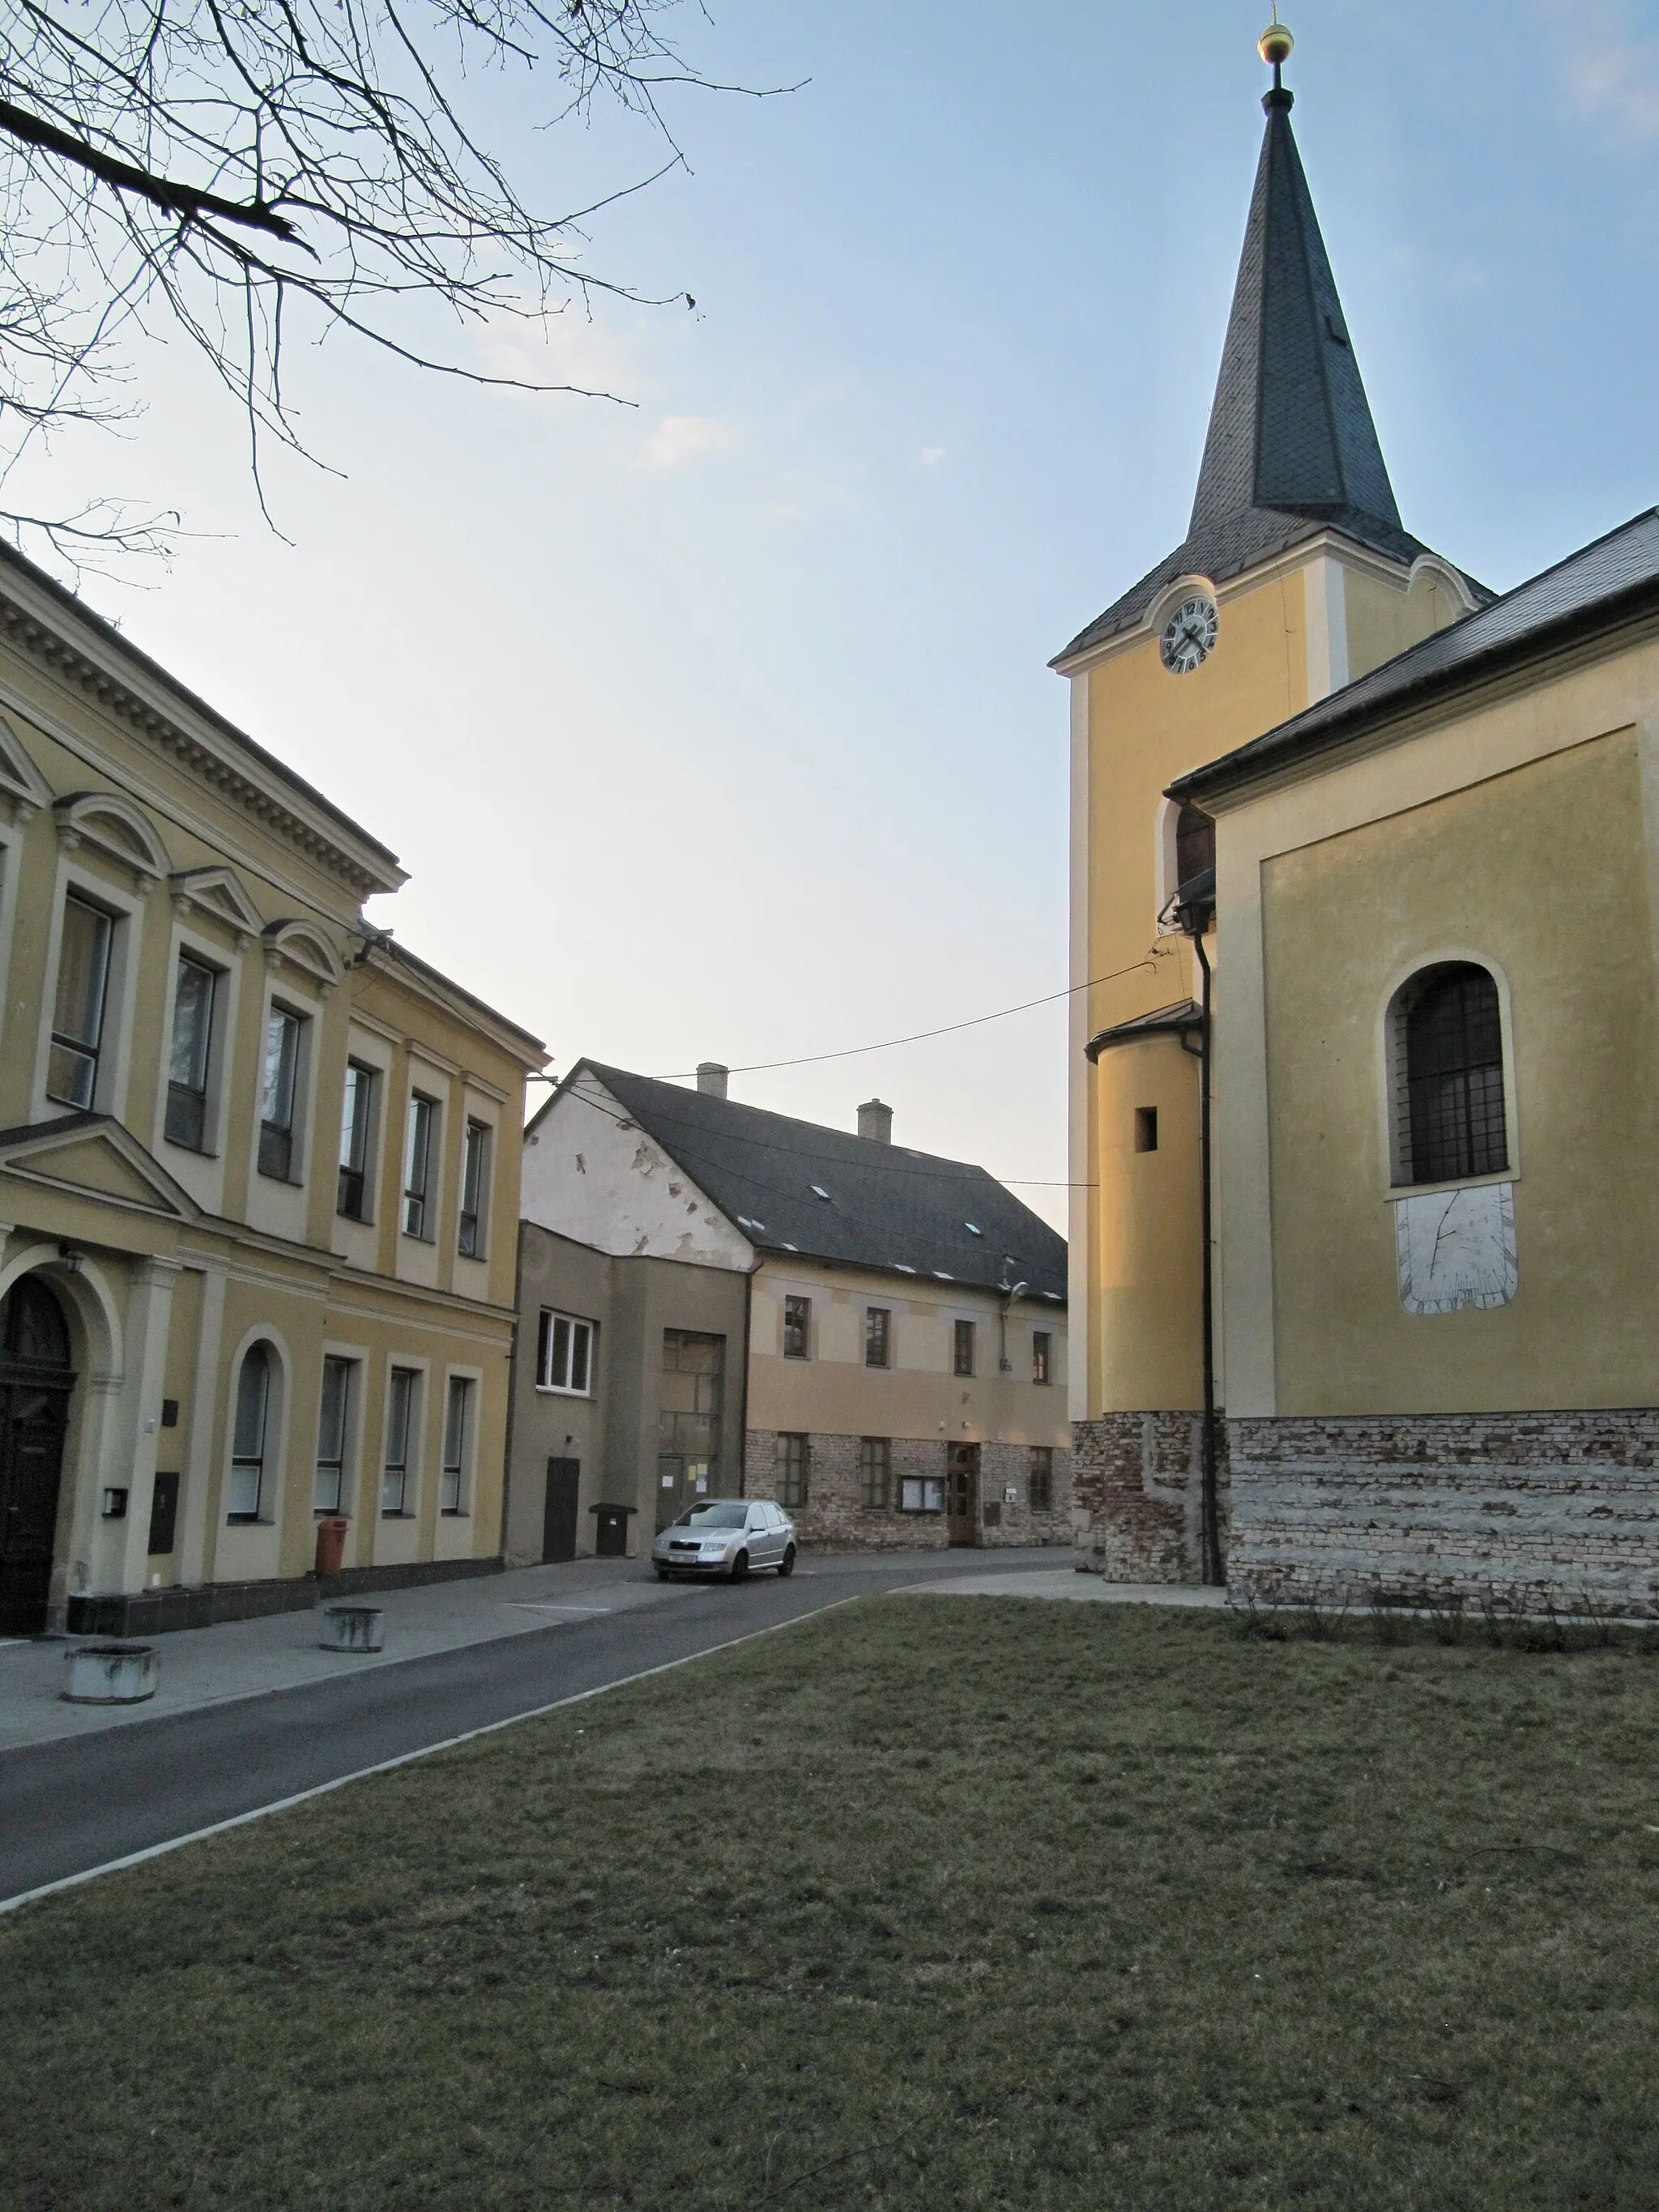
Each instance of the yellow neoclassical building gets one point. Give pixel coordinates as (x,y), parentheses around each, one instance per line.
(258,1170)
(1297,576)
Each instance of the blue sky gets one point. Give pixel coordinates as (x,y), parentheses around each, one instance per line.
(719,725)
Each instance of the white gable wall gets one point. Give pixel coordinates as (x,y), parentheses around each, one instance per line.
(592,1175)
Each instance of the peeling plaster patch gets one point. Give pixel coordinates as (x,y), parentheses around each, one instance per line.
(643,1162)
(581,1164)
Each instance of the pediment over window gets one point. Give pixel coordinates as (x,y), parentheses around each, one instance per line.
(217,893)
(20,782)
(307,948)
(96,1157)
(114,826)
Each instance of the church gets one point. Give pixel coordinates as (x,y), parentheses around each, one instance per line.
(1364,953)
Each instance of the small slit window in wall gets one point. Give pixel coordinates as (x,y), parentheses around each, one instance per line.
(1040,1477)
(798,1328)
(564,1355)
(1146,1129)
(1043,1355)
(877,1337)
(1450,1123)
(962,1348)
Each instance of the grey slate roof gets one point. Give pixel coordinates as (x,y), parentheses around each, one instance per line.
(1292,449)
(1591,592)
(888,1208)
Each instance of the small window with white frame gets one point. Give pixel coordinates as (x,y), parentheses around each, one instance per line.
(329,1492)
(402,1429)
(195,993)
(475,1190)
(564,1355)
(280,1094)
(85,946)
(457,1443)
(420,1150)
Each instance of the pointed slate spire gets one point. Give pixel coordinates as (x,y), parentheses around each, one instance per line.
(1290,429)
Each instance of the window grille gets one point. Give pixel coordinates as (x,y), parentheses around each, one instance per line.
(876,1474)
(792,1470)
(1455,1078)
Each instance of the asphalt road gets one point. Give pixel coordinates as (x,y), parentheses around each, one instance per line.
(79,1803)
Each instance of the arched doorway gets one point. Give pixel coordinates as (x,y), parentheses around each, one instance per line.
(35,1381)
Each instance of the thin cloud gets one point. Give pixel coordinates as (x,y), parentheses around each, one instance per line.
(931,456)
(679,440)
(1615,75)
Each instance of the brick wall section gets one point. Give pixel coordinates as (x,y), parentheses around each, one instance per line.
(833,1518)
(1137,1484)
(1523,1506)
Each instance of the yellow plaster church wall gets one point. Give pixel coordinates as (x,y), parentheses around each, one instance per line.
(1385,620)
(1343,921)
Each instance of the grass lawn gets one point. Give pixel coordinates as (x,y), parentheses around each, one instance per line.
(928,1903)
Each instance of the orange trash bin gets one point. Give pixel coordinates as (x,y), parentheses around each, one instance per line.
(330,1545)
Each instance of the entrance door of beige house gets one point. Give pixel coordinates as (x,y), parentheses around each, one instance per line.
(962,1493)
(35,1381)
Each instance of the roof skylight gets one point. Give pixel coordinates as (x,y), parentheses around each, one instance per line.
(819,1191)
(973,1228)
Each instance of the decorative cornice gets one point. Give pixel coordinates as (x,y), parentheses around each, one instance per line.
(29,634)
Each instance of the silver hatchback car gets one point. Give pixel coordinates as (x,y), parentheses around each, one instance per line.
(728,1536)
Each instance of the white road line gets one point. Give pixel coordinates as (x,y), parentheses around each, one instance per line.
(403,1759)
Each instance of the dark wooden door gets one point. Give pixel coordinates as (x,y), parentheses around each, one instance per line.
(564,1477)
(34,1399)
(962,1493)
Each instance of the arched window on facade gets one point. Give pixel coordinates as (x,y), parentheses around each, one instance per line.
(1194,845)
(247,1450)
(1451,1121)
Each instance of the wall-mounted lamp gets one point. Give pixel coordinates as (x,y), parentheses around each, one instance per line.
(71,1258)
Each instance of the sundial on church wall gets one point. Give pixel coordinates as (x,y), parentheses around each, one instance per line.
(1456,1248)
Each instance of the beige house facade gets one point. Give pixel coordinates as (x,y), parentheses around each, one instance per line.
(897,1377)
(258,1170)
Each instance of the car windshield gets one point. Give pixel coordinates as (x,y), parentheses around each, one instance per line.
(718,1513)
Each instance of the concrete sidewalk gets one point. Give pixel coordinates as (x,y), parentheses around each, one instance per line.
(246,1658)
(1067,1584)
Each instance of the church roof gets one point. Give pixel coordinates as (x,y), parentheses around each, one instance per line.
(1292,450)
(1591,593)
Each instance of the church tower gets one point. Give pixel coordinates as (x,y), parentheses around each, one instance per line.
(1296,577)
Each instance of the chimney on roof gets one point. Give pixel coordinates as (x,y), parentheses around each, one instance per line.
(712,1079)
(876,1121)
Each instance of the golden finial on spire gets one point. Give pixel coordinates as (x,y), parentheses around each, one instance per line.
(1275,43)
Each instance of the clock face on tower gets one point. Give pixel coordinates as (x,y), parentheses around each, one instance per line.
(1189,636)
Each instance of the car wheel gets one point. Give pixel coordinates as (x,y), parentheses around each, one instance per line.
(662,1574)
(787,1563)
(740,1567)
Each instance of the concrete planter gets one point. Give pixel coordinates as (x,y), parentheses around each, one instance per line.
(353,1628)
(111,1673)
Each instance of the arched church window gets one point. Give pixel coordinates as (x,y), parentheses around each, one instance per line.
(247,1452)
(1194,845)
(33,1330)
(1448,1052)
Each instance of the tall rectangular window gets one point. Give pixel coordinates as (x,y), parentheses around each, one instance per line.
(458,1421)
(247,1445)
(192,1042)
(475,1188)
(1043,1355)
(418,1168)
(564,1354)
(962,1348)
(332,1436)
(77,1026)
(356,1123)
(276,1101)
(798,1328)
(395,1493)
(876,1474)
(877,1337)
(792,1470)
(1041,1477)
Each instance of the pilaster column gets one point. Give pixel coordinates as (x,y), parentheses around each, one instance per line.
(149,1314)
